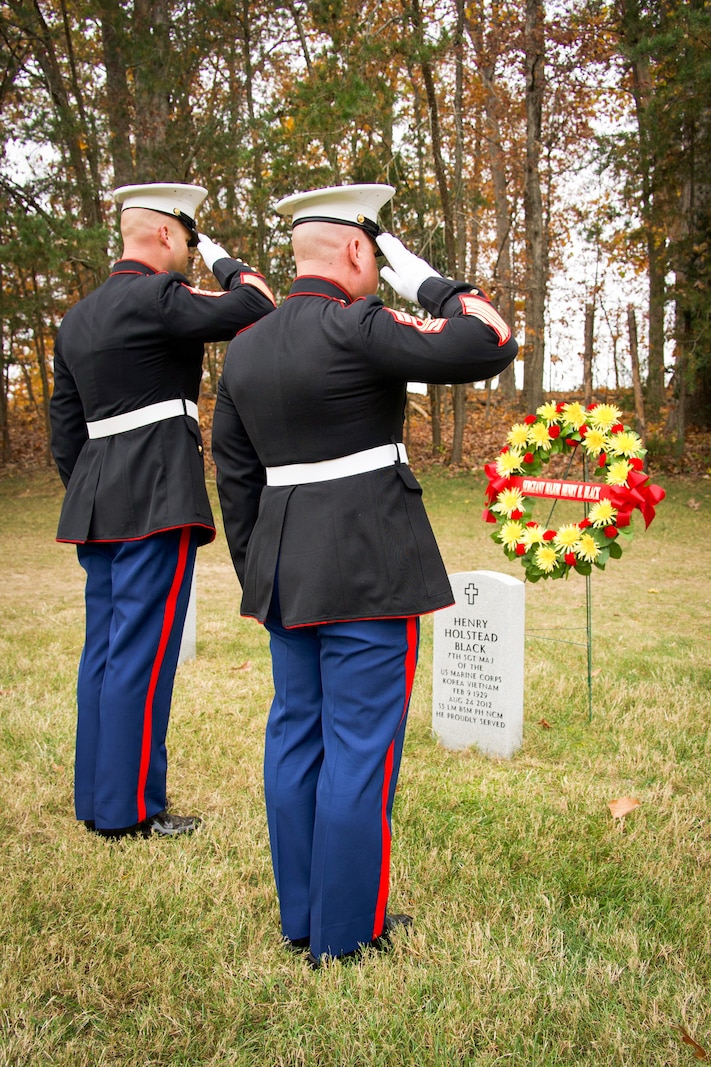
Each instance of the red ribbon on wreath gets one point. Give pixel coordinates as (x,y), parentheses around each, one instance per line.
(639,493)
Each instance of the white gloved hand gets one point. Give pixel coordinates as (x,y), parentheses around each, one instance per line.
(407,271)
(210,251)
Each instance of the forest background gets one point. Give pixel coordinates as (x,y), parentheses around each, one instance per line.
(557,153)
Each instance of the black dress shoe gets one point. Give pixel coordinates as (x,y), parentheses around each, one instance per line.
(296,944)
(165,824)
(392,922)
(380,944)
(168,825)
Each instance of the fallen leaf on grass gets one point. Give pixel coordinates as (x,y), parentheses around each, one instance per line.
(623,806)
(693,504)
(700,1053)
(544,723)
(246,666)
(652,590)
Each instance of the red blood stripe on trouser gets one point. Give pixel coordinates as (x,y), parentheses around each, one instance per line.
(168,621)
(410,665)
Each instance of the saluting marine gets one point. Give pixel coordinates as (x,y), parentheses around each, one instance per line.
(332,545)
(126,440)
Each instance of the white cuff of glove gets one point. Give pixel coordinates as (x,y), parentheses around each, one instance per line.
(210,251)
(407,271)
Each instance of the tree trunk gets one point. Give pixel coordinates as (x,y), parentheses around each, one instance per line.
(657,260)
(588,353)
(536,251)
(435,394)
(503,290)
(72,133)
(642,91)
(4,430)
(437,156)
(459,266)
(260,195)
(151,40)
(118,95)
(42,365)
(636,379)
(459,410)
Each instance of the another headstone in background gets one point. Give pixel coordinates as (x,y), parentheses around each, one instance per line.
(188,645)
(477,677)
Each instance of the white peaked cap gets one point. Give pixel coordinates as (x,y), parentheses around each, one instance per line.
(351,205)
(181,201)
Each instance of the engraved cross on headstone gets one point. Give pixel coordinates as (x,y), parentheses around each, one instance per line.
(471,592)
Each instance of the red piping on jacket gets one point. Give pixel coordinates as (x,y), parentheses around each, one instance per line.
(141,537)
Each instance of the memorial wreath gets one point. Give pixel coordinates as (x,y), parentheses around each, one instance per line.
(614,452)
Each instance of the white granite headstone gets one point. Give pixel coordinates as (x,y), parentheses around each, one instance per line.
(188,644)
(477,678)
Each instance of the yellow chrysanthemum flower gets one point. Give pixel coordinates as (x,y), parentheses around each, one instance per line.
(538,435)
(567,537)
(532,535)
(518,435)
(604,416)
(508,462)
(602,513)
(588,548)
(507,501)
(546,558)
(618,472)
(510,534)
(575,414)
(626,443)
(549,412)
(595,442)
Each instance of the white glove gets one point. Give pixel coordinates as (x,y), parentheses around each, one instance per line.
(210,251)
(407,271)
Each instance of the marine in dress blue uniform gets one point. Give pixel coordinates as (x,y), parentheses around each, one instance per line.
(126,440)
(332,544)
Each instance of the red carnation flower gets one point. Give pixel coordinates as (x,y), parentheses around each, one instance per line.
(549,535)
(528,458)
(517,513)
(530,419)
(610,531)
(554,431)
(636,463)
(559,407)
(570,558)
(601,459)
(617,428)
(520,550)
(584,523)
(572,442)
(531,523)
(583,430)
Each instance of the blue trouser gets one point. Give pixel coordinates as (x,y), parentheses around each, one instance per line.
(332,756)
(136,595)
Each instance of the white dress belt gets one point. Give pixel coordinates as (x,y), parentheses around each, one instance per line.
(371,459)
(131,420)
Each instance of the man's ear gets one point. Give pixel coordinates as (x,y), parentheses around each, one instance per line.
(164,236)
(355,252)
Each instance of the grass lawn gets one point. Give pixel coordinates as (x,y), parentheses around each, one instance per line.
(546,932)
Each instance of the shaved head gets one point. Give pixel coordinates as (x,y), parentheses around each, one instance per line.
(321,242)
(139,224)
(154,238)
(345,254)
